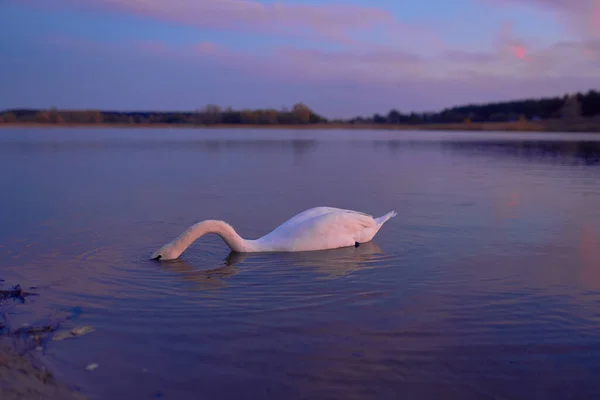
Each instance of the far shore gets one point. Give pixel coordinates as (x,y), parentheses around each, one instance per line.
(519,126)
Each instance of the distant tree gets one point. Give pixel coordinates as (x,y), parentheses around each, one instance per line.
(414,118)
(571,107)
(533,109)
(212,108)
(302,113)
(92,117)
(394,117)
(231,117)
(173,118)
(359,121)
(379,119)
(9,117)
(42,117)
(54,116)
(590,104)
(269,116)
(212,114)
(249,117)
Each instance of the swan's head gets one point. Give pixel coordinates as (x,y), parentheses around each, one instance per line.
(167,252)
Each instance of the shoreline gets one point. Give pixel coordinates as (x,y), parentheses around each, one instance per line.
(542,126)
(23,373)
(24,376)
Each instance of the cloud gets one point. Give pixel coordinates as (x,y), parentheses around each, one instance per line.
(509,59)
(518,51)
(348,24)
(470,57)
(596,17)
(509,43)
(151,75)
(579,16)
(436,81)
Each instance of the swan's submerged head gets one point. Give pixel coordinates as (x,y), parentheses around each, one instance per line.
(167,252)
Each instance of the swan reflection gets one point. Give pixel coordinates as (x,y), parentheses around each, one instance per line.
(326,264)
(202,278)
(333,263)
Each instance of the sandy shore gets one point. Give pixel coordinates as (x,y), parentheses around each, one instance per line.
(24,377)
(22,373)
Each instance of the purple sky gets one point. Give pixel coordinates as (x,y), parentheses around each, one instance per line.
(342,58)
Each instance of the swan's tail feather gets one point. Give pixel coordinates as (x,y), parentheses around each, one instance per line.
(385,217)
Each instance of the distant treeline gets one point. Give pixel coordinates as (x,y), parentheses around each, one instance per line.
(209,115)
(567,107)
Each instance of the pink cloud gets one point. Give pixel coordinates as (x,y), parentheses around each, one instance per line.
(592,48)
(208,48)
(384,67)
(341,23)
(596,16)
(579,16)
(470,57)
(544,3)
(518,51)
(397,58)
(569,58)
(509,43)
(291,63)
(552,4)
(376,65)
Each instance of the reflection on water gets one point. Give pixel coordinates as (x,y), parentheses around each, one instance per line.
(330,264)
(210,145)
(485,285)
(563,152)
(567,152)
(202,279)
(298,147)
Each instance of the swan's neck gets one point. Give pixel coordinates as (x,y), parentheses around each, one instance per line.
(224,230)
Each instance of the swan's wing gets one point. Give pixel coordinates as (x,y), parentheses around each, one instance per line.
(319,211)
(306,215)
(331,230)
(318,228)
(340,222)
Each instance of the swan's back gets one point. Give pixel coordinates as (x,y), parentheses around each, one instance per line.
(313,213)
(322,228)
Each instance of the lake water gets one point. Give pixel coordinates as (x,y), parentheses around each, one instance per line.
(486,284)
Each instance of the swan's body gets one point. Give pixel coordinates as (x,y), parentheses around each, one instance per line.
(318,228)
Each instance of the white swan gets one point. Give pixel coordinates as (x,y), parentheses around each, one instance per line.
(318,228)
